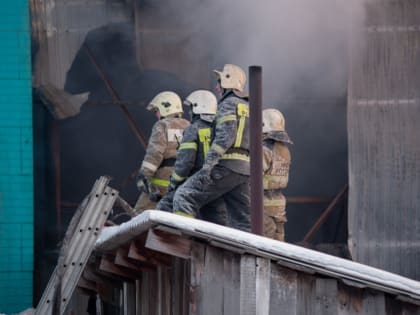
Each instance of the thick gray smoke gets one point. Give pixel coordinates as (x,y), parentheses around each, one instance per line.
(298,42)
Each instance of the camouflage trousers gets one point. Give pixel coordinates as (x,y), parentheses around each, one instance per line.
(222,184)
(274,214)
(214,212)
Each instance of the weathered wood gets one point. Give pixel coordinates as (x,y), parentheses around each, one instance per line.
(145,255)
(134,253)
(121,259)
(129,295)
(350,300)
(212,282)
(248,279)
(373,303)
(148,294)
(306,294)
(197,269)
(107,265)
(231,294)
(284,292)
(263,273)
(87,285)
(326,292)
(231,248)
(295,266)
(168,243)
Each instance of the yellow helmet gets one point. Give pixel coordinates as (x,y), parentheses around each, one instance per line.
(166,103)
(232,77)
(202,102)
(273,120)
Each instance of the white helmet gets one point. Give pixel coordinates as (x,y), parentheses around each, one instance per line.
(232,77)
(166,103)
(273,120)
(202,102)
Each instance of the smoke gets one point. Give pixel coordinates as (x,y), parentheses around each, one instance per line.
(298,42)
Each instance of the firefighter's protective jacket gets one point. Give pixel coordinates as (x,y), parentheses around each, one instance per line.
(230,146)
(276,165)
(193,149)
(160,154)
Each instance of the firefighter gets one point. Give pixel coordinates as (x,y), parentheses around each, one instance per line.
(158,162)
(225,172)
(193,150)
(276,164)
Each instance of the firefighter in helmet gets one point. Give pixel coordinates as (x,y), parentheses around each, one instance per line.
(192,151)
(225,172)
(159,159)
(276,164)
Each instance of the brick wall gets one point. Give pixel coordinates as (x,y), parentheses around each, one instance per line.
(16,166)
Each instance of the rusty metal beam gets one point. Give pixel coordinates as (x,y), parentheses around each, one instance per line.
(255,134)
(116,98)
(326,213)
(306,200)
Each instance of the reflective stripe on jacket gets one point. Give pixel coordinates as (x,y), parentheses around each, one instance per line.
(193,150)
(276,164)
(231,134)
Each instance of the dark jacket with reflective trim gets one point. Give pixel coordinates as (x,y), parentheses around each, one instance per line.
(232,135)
(191,153)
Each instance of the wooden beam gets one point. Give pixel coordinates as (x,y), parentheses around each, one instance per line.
(90,275)
(87,285)
(168,243)
(139,252)
(107,265)
(121,259)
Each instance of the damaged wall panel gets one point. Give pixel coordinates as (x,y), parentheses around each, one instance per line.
(60,27)
(384,150)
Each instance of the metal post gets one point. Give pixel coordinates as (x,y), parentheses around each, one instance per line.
(257,191)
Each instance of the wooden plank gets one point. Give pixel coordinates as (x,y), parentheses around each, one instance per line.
(134,253)
(180,289)
(284,291)
(231,289)
(107,265)
(121,259)
(138,252)
(373,303)
(326,302)
(129,295)
(168,243)
(87,285)
(212,282)
(247,304)
(262,279)
(350,299)
(197,269)
(306,293)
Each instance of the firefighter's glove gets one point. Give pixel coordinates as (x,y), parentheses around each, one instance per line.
(142,183)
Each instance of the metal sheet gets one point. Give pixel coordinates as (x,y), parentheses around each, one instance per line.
(384,147)
(60,28)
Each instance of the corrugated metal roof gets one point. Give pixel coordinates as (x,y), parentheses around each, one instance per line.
(61,27)
(291,255)
(383,129)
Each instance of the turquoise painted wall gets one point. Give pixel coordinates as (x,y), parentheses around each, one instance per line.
(16,165)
